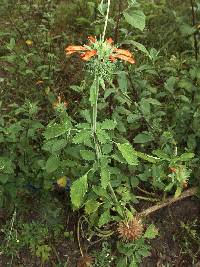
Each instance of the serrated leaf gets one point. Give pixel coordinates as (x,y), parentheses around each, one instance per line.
(151,232)
(87,154)
(104,218)
(147,157)
(82,137)
(52,164)
(91,206)
(103,136)
(161,154)
(105,176)
(108,124)
(78,191)
(135,18)
(55,130)
(128,153)
(58,145)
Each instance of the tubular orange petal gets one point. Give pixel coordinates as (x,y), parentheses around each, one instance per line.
(125,58)
(87,55)
(109,40)
(112,58)
(92,39)
(123,52)
(75,48)
(71,52)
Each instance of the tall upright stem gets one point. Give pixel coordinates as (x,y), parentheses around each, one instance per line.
(94,116)
(106,21)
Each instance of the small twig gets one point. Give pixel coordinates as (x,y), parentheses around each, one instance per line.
(188,193)
(151,199)
(145,192)
(78,237)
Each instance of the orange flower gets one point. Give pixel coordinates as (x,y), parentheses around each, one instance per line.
(87,53)
(74,48)
(58,102)
(122,54)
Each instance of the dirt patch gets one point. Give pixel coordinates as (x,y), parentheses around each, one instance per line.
(168,248)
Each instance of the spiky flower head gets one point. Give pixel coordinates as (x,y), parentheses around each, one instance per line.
(131,230)
(85,261)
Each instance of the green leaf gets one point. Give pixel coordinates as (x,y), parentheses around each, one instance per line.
(108,124)
(178,192)
(135,18)
(122,81)
(104,218)
(143,138)
(82,137)
(186,29)
(146,157)
(58,145)
(151,232)
(161,154)
(78,191)
(11,45)
(122,262)
(52,164)
(186,156)
(103,136)
(91,206)
(55,130)
(107,148)
(105,174)
(6,166)
(87,154)
(139,46)
(4,178)
(153,101)
(128,153)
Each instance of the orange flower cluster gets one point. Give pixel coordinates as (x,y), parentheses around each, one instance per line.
(86,54)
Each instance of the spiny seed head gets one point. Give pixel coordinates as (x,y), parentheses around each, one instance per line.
(130,231)
(85,261)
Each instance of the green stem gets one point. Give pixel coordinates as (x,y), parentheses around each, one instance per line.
(106,21)
(94,120)
(94,117)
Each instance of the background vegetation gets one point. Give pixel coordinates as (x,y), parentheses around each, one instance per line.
(56,191)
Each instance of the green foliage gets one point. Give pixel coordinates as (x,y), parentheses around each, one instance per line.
(103,257)
(78,191)
(106,126)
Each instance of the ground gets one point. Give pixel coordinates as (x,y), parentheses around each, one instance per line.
(168,249)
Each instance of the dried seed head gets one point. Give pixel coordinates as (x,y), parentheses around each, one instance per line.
(85,261)
(131,230)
